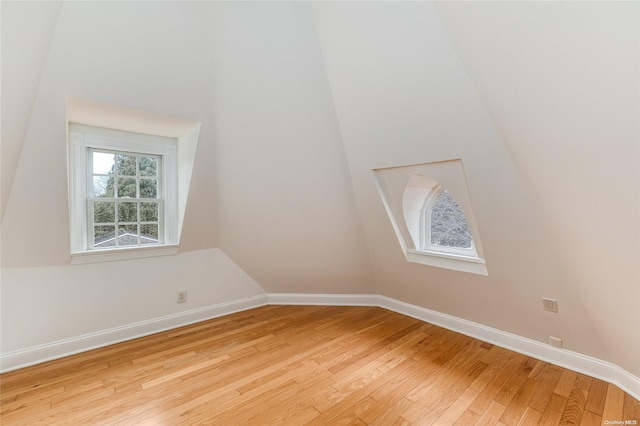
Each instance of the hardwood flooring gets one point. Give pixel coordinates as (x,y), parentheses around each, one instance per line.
(296,365)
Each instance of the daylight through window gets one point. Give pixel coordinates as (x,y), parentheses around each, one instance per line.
(124,202)
(124,194)
(448,225)
(429,207)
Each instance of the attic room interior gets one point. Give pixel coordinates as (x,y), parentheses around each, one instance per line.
(320,212)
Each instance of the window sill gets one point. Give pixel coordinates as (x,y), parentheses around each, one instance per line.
(474,265)
(110,255)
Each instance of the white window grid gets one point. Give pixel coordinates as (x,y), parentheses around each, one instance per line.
(116,199)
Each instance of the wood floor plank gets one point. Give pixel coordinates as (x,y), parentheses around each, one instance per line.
(306,365)
(590,419)
(613,404)
(631,409)
(457,409)
(554,409)
(488,394)
(467,418)
(566,382)
(544,392)
(518,405)
(492,415)
(573,411)
(597,396)
(530,417)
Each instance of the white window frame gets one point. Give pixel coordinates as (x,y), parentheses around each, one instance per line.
(425,229)
(393,183)
(82,139)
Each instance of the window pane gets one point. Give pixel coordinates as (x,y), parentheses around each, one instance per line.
(127,212)
(104,236)
(149,212)
(103,163)
(449,226)
(148,166)
(126,165)
(148,188)
(128,235)
(126,187)
(149,234)
(104,212)
(102,186)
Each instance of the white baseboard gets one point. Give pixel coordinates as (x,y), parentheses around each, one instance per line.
(323,299)
(568,359)
(593,367)
(61,348)
(580,363)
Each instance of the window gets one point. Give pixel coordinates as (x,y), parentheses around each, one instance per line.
(123,194)
(444,227)
(124,199)
(429,208)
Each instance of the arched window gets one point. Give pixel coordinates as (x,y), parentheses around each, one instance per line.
(429,206)
(444,227)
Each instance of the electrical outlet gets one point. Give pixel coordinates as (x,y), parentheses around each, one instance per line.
(555,342)
(550,305)
(182,296)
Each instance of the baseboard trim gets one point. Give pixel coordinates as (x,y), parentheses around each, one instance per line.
(323,299)
(37,354)
(593,367)
(574,361)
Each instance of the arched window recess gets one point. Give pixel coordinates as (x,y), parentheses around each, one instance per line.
(429,208)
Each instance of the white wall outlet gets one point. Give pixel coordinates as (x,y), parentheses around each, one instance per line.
(555,342)
(182,296)
(550,305)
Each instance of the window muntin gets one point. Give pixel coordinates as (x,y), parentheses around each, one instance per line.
(124,199)
(123,194)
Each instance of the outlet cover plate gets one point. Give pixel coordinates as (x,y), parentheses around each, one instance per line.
(550,305)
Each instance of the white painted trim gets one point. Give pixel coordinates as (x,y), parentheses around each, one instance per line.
(474,265)
(41,353)
(123,253)
(594,367)
(323,299)
(392,184)
(585,364)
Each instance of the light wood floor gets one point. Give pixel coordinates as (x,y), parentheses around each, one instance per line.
(298,365)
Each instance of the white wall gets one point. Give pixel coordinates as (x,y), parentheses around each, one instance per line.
(402,98)
(44,305)
(286,212)
(100,51)
(26,27)
(560,82)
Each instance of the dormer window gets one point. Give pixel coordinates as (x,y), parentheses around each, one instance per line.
(127,195)
(430,211)
(124,194)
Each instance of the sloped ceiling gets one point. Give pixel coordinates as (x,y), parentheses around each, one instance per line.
(299,101)
(26,27)
(561,82)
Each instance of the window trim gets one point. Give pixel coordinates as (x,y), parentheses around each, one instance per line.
(393,183)
(82,139)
